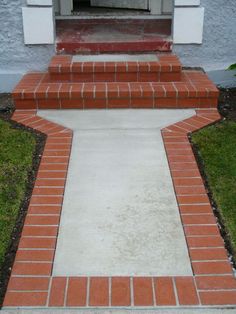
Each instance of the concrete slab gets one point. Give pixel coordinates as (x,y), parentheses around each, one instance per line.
(115,58)
(223,78)
(9,80)
(120,216)
(116,119)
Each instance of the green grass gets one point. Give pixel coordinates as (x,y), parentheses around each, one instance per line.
(16,153)
(217,148)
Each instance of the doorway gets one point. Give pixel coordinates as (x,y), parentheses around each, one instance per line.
(102,7)
(160,8)
(88,27)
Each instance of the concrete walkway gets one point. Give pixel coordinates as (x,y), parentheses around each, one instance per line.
(120,216)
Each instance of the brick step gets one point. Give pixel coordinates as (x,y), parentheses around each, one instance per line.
(36,90)
(146,45)
(158,68)
(109,35)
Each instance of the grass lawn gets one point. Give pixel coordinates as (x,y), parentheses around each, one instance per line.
(217,148)
(16,152)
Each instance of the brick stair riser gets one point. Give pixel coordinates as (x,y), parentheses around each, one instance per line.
(116,95)
(116,77)
(110,103)
(130,47)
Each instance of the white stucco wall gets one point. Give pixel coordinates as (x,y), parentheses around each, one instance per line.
(15,57)
(218,49)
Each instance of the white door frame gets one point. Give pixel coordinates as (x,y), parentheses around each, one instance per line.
(66,7)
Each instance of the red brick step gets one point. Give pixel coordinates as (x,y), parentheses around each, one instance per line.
(37,91)
(109,35)
(165,68)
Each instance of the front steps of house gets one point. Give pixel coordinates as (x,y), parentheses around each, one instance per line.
(73,84)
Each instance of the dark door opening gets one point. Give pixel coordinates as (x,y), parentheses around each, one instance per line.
(81,4)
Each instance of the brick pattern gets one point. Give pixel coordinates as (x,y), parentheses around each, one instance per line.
(166,69)
(36,91)
(212,269)
(107,85)
(31,283)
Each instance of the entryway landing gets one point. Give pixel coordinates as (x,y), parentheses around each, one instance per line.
(113,35)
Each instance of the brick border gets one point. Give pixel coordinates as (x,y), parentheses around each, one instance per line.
(215,282)
(31,283)
(34,259)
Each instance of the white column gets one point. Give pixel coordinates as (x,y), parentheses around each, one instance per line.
(188,22)
(38,22)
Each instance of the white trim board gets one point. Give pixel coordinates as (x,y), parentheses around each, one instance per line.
(38,25)
(188,25)
(187,3)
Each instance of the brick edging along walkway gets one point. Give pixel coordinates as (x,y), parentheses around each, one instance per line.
(31,282)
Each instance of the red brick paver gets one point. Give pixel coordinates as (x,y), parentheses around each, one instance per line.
(120,291)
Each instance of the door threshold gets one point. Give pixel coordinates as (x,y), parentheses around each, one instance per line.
(122,17)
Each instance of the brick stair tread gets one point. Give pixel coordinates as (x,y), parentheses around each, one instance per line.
(194,84)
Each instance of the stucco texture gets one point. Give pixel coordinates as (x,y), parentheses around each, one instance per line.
(15,57)
(219,37)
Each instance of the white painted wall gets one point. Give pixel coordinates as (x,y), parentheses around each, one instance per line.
(188,22)
(184,3)
(38,25)
(39,2)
